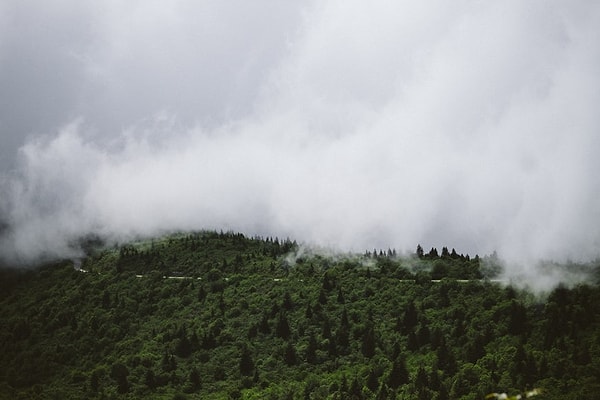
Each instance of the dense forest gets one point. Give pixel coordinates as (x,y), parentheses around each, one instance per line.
(211,315)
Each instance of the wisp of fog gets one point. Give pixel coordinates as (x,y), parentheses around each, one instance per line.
(355,125)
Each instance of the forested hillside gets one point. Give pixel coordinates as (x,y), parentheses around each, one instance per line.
(217,315)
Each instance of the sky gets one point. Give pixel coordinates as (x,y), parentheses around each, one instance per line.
(350,124)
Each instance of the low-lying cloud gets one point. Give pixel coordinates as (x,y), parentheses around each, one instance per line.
(470,125)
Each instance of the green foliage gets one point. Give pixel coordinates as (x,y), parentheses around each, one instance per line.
(218,315)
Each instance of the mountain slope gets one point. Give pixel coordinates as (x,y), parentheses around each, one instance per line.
(218,315)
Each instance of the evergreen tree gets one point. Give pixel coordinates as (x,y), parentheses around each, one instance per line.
(332,347)
(322,297)
(445,358)
(326,330)
(445,252)
(421,382)
(311,350)
(327,283)
(383,393)
(106,300)
(184,347)
(340,296)
(119,373)
(290,357)
(308,314)
(368,343)
(372,381)
(433,253)
(344,387)
(201,294)
(412,343)
(167,363)
(355,391)
(434,379)
(398,375)
(454,255)
(194,378)
(282,328)
(517,318)
(342,338)
(423,334)
(150,379)
(443,393)
(344,320)
(410,319)
(246,362)
(95,378)
(287,303)
(475,348)
(263,326)
(420,251)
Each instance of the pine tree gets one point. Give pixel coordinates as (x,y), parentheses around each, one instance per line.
(412,343)
(311,350)
(434,379)
(166,363)
(194,379)
(420,251)
(326,330)
(342,337)
(344,386)
(340,296)
(475,349)
(368,343)
(383,393)
(106,300)
(287,303)
(119,373)
(282,329)
(517,322)
(443,393)
(355,390)
(372,380)
(410,319)
(332,347)
(150,379)
(445,358)
(290,354)
(398,375)
(433,253)
(344,320)
(421,382)
(423,334)
(445,252)
(308,314)
(183,348)
(201,294)
(263,326)
(246,362)
(322,297)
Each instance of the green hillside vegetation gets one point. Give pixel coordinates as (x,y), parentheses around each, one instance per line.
(220,316)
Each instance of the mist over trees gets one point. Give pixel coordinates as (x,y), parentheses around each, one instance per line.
(219,315)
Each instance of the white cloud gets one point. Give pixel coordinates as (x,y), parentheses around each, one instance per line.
(390,124)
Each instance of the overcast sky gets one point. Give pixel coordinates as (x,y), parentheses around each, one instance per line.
(352,124)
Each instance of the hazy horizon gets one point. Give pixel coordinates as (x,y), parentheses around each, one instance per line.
(390,124)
